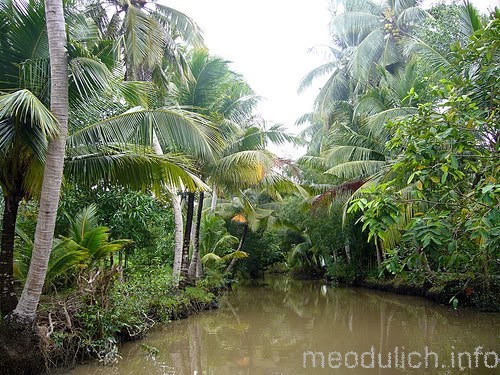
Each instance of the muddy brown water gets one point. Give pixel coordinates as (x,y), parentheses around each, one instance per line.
(266,329)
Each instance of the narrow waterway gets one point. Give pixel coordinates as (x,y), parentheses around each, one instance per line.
(266,330)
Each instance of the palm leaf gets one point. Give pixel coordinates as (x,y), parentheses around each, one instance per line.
(180,24)
(470,19)
(357,169)
(36,122)
(318,72)
(177,130)
(131,169)
(352,27)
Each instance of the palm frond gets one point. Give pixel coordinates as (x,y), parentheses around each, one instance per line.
(177,130)
(376,123)
(134,170)
(211,257)
(352,27)
(357,169)
(335,89)
(411,16)
(84,221)
(367,54)
(181,24)
(318,72)
(426,54)
(36,124)
(470,19)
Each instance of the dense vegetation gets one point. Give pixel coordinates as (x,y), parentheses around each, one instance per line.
(170,192)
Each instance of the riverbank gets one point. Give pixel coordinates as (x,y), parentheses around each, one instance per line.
(91,322)
(452,290)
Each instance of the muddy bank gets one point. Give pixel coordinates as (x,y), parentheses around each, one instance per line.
(58,338)
(468,293)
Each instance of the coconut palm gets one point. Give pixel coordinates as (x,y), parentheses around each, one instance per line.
(223,97)
(370,32)
(367,40)
(354,149)
(147,32)
(26,123)
(54,164)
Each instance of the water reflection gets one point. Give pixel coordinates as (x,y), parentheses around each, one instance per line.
(266,329)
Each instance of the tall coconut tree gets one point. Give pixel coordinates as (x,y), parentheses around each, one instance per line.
(54,164)
(222,96)
(148,34)
(26,123)
(368,38)
(370,32)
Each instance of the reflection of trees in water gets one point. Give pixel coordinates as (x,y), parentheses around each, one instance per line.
(259,330)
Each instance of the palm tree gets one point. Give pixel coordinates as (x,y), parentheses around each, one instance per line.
(54,164)
(26,124)
(371,32)
(147,32)
(368,39)
(202,93)
(223,97)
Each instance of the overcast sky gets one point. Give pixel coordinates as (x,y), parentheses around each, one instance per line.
(268,41)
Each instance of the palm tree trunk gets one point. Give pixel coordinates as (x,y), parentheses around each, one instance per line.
(243,237)
(8,299)
(176,207)
(195,270)
(178,221)
(186,242)
(52,177)
(214,198)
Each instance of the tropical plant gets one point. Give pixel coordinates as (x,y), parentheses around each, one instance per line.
(438,208)
(147,32)
(251,216)
(86,245)
(371,33)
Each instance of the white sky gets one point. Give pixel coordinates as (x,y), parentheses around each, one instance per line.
(268,42)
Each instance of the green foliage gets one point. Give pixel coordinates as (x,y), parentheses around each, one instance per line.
(214,237)
(85,246)
(439,209)
(129,214)
(133,306)
(443,28)
(341,272)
